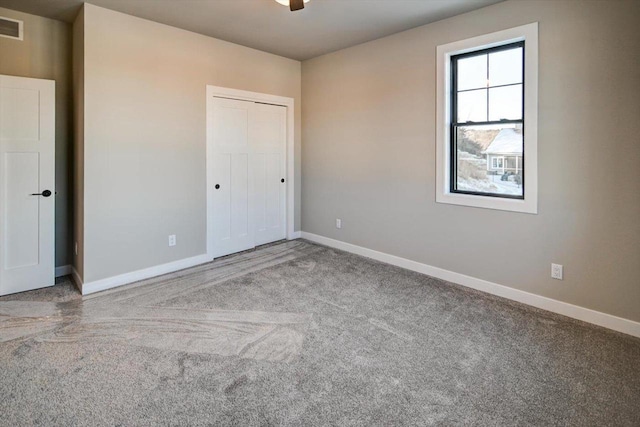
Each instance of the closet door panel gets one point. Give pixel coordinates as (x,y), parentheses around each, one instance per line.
(268,141)
(232,217)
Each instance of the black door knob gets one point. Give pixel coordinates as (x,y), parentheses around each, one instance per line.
(282,180)
(217,186)
(45,193)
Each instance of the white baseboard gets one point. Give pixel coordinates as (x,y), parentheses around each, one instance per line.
(609,321)
(134,276)
(295,235)
(63,270)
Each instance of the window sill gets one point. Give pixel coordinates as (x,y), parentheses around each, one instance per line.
(488,202)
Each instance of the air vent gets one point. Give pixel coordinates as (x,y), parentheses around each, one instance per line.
(11,28)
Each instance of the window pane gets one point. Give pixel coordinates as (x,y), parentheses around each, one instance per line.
(505,67)
(472,72)
(489,159)
(472,106)
(505,103)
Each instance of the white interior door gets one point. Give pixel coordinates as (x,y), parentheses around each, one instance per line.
(231,219)
(246,176)
(27,187)
(267,134)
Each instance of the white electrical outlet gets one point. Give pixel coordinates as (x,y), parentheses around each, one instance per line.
(556,271)
(338,223)
(172,240)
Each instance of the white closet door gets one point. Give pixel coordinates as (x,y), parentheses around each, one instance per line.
(27,188)
(247,175)
(267,134)
(231,220)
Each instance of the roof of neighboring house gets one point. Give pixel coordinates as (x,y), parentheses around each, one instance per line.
(507,141)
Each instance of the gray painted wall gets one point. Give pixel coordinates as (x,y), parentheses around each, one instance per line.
(369,155)
(144,135)
(45,53)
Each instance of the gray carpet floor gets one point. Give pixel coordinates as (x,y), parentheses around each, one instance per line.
(298,334)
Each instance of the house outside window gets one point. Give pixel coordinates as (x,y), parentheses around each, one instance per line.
(487,121)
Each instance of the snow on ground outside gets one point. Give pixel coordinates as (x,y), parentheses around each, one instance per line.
(492,184)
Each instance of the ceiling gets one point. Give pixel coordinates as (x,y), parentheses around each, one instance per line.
(323,26)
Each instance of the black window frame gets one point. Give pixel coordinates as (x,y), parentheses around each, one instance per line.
(453,143)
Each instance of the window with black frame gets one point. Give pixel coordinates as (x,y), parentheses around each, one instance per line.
(487,122)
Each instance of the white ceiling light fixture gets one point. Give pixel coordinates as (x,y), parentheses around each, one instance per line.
(293,4)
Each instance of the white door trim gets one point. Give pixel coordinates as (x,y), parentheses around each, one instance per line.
(243,95)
